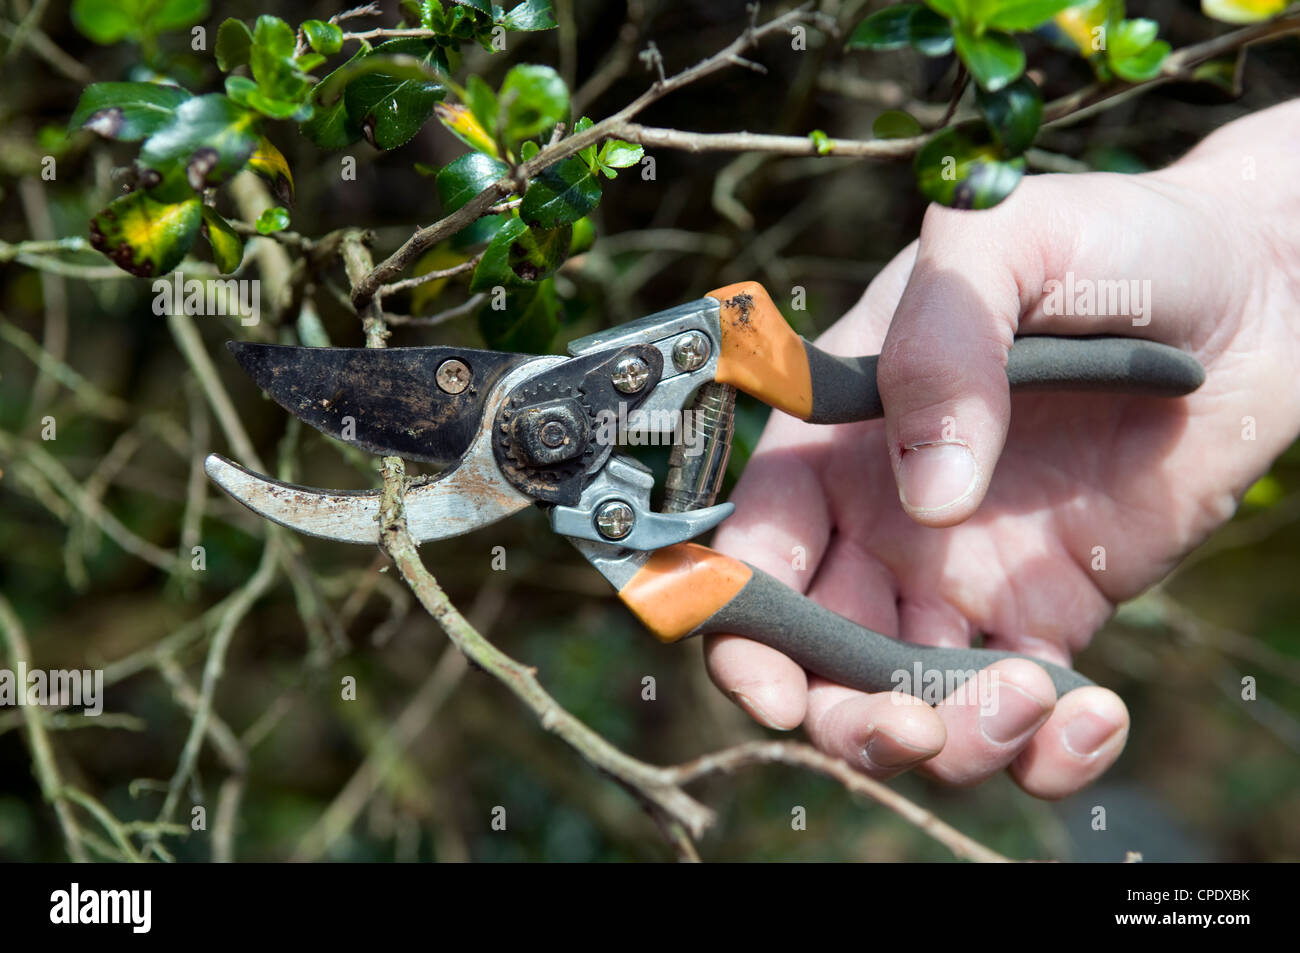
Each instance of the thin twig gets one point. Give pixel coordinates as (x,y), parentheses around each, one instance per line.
(649,782)
(762,142)
(47,771)
(418,280)
(433,320)
(190,343)
(801,755)
(213,668)
(75,493)
(364,289)
(52,53)
(1178,65)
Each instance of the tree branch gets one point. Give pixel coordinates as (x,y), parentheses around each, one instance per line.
(760,142)
(730,760)
(364,289)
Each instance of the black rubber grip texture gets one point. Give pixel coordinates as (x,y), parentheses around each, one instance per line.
(844,388)
(770,612)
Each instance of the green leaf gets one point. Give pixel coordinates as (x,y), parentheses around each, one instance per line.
(210,136)
(143,236)
(1013,114)
(1265,492)
(482,103)
(618,154)
(929,33)
(1144,66)
(528,323)
(561,194)
(329,126)
(493,268)
(963,167)
(584,236)
(227,246)
(1130,38)
(1019,16)
(539,251)
(482,6)
(587,155)
(172,14)
(275,37)
(104,21)
(234,41)
(1242,11)
(273,219)
(949,9)
(391,105)
(994,59)
(466,177)
(530,15)
(481,230)
(272,63)
(1223,72)
(895,124)
(110,21)
(518,255)
(269,163)
(823,143)
(308,61)
(887,29)
(325,38)
(126,111)
(249,95)
(535,99)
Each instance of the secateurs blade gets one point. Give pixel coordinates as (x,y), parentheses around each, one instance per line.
(518,430)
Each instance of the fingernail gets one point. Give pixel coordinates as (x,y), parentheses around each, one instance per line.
(883,751)
(1087,731)
(1016,713)
(933,476)
(756,712)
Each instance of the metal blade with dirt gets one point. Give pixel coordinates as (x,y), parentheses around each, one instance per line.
(420,403)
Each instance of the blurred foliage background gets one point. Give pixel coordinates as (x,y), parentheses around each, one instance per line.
(1205,776)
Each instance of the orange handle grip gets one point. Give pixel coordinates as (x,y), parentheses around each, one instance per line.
(681,586)
(761,354)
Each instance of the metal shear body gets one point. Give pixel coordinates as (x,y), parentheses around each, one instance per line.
(516,430)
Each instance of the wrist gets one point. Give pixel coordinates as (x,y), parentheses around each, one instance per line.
(1248,175)
(1245,178)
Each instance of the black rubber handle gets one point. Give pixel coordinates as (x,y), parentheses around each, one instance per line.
(770,612)
(844,388)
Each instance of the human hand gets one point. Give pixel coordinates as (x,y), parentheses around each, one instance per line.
(903,526)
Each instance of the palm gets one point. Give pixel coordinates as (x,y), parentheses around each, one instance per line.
(1077,518)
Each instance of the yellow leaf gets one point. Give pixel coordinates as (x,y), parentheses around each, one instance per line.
(1241,11)
(1084,25)
(270,164)
(465,127)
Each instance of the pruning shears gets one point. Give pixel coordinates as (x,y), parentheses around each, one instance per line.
(516,430)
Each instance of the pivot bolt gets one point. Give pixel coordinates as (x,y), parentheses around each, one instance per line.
(691,351)
(630,375)
(453,376)
(615,519)
(554,434)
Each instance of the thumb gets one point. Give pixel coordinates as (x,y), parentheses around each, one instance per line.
(942,370)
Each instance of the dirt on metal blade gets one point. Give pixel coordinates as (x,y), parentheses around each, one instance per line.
(383,400)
